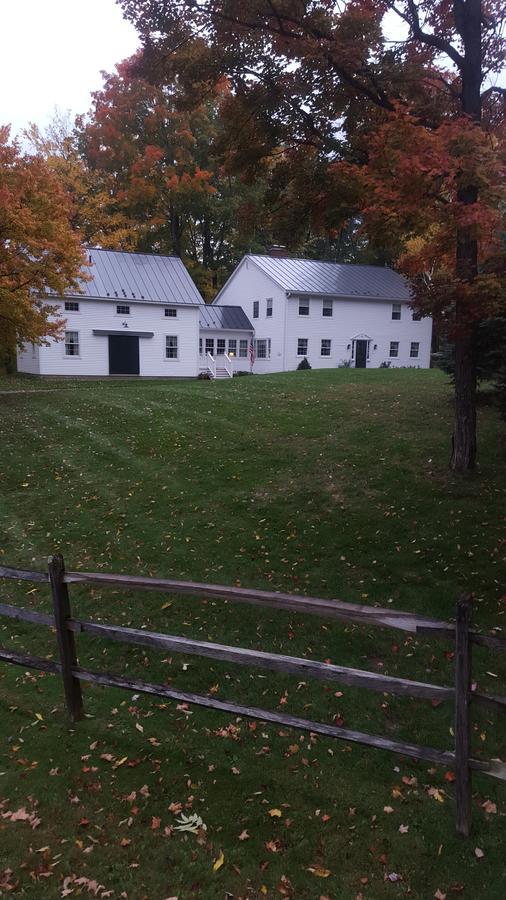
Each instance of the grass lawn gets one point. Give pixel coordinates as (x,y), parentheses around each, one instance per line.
(333,484)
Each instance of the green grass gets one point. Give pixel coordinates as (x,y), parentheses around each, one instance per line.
(332,484)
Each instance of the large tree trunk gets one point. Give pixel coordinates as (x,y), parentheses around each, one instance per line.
(464,435)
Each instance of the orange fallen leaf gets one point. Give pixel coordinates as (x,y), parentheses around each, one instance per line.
(319,872)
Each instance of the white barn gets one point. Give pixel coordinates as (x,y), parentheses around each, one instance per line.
(140,314)
(327,312)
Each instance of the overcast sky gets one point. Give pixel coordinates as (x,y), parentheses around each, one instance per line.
(52,53)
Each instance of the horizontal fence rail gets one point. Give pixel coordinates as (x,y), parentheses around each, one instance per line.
(67,627)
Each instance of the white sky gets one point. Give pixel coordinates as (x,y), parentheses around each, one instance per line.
(52,53)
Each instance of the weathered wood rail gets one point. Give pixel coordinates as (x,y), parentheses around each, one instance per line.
(459,693)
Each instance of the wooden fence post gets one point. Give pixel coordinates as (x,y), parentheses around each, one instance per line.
(462,719)
(66,643)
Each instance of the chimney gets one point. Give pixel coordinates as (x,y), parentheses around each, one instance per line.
(278,251)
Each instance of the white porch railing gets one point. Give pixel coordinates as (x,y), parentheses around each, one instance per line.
(228,364)
(211,364)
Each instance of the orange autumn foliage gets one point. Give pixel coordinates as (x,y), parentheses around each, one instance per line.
(39,252)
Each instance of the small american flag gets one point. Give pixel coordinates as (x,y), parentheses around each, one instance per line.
(251,352)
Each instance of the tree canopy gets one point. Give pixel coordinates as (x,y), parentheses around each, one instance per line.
(39,250)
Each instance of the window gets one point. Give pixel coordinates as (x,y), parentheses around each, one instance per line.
(268,309)
(171,346)
(394,348)
(220,345)
(200,346)
(232,347)
(210,346)
(243,349)
(325,347)
(71,343)
(327,308)
(302,347)
(256,306)
(71,306)
(414,349)
(396,311)
(303,306)
(263,348)
(170,312)
(122,309)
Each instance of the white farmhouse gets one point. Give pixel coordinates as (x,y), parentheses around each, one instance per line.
(140,314)
(327,312)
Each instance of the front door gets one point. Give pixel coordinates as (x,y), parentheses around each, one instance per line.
(123,355)
(360,354)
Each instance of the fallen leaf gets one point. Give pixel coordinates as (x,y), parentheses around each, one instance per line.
(217,864)
(388,809)
(275,813)
(244,835)
(403,829)
(478,852)
(439,895)
(320,873)
(489,807)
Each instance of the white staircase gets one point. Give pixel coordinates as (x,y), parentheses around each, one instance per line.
(218,367)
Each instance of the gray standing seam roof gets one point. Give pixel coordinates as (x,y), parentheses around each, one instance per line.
(310,276)
(123,276)
(231,318)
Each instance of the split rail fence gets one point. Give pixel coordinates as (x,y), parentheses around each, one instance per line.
(464,637)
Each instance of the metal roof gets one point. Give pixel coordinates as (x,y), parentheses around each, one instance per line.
(231,318)
(118,275)
(310,276)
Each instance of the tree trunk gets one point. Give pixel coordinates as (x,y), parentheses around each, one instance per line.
(464,434)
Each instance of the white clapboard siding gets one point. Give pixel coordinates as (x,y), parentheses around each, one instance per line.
(93,358)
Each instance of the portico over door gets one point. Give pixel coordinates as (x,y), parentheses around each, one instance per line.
(360,350)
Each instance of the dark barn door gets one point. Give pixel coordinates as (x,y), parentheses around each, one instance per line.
(123,355)
(360,354)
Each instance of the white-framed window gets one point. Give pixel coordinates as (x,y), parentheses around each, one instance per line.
(327,308)
(256,309)
(326,346)
(200,346)
(303,306)
(71,306)
(210,346)
(171,346)
(243,348)
(220,345)
(122,309)
(170,312)
(394,349)
(71,343)
(414,349)
(416,316)
(302,347)
(268,307)
(263,348)
(396,311)
(232,347)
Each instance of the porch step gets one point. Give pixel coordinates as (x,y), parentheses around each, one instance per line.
(222,373)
